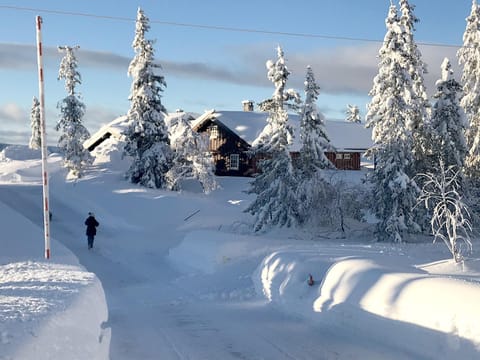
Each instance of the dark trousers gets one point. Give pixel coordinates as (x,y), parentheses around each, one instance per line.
(90,241)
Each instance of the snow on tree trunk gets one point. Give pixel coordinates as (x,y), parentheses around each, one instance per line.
(72,110)
(147,139)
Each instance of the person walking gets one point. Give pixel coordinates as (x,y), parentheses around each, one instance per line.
(92,224)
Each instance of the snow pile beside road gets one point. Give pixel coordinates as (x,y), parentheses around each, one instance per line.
(49,309)
(445,304)
(353,287)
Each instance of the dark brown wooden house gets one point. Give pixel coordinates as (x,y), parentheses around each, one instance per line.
(232,133)
(229,150)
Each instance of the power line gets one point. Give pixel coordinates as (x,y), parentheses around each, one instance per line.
(213,27)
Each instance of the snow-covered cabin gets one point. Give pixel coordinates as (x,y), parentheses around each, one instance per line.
(113,129)
(231,134)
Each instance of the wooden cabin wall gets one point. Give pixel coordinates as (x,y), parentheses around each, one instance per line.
(345,160)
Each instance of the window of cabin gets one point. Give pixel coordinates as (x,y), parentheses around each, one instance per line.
(214,132)
(346,156)
(338,156)
(234,161)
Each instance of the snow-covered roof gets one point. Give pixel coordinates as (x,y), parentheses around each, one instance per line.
(344,136)
(115,128)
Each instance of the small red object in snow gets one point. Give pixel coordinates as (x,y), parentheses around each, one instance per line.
(310,280)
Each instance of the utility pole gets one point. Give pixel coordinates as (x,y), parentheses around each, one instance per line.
(43,136)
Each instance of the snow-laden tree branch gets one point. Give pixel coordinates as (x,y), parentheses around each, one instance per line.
(450,220)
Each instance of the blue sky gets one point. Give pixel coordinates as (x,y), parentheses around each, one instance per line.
(204,67)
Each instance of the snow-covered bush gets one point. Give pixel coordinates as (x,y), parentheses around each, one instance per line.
(332,203)
(450,220)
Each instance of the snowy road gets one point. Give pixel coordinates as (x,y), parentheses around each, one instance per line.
(154,313)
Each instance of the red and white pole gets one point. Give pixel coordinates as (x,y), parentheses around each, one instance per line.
(43,136)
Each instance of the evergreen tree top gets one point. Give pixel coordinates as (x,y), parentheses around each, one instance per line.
(408,18)
(447,72)
(471,36)
(68,69)
(142,25)
(278,73)
(310,84)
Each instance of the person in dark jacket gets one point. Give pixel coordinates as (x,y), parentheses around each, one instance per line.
(92,224)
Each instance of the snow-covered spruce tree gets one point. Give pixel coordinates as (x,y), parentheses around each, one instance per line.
(313,134)
(353,114)
(35,139)
(74,134)
(312,186)
(282,100)
(191,156)
(450,220)
(449,123)
(276,202)
(394,191)
(147,139)
(468,56)
(417,111)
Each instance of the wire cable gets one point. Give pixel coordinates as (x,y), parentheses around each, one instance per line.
(213,27)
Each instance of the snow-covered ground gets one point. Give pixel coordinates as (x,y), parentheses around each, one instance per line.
(181,276)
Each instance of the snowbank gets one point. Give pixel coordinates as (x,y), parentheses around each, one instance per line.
(429,301)
(19,152)
(21,165)
(49,309)
(351,286)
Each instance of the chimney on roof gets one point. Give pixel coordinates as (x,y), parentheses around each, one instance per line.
(247,105)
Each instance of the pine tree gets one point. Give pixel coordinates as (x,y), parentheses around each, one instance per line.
(468,56)
(418,106)
(276,202)
(72,110)
(449,122)
(315,141)
(353,114)
(35,139)
(282,99)
(147,139)
(394,191)
(191,156)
